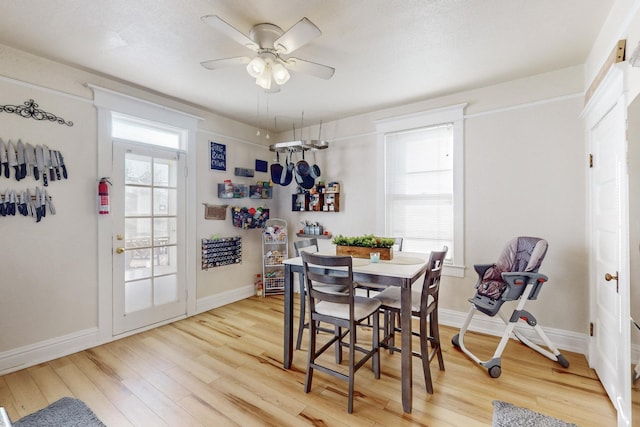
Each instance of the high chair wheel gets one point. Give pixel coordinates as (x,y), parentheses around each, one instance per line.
(495,371)
(562,361)
(455,340)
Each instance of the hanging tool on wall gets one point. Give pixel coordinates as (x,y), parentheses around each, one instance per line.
(13,159)
(30,159)
(3,158)
(41,166)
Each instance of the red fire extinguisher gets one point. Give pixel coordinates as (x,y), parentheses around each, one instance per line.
(103,196)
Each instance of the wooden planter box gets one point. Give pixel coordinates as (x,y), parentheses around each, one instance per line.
(360,252)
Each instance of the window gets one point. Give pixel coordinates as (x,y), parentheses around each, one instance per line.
(423,171)
(133,129)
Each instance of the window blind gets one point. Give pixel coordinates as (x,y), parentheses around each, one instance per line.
(419,187)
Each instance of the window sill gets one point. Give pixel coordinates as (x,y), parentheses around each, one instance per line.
(454,270)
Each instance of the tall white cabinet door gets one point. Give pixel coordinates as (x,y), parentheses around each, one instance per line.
(609,351)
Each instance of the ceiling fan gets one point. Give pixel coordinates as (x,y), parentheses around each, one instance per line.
(270,43)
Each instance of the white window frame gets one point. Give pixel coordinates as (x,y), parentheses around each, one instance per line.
(453,114)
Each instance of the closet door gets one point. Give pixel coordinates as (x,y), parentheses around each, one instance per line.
(609,352)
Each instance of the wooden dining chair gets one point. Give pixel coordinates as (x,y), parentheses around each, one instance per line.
(424,305)
(344,310)
(307,245)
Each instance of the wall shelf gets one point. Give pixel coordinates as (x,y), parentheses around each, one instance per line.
(317,236)
(315,202)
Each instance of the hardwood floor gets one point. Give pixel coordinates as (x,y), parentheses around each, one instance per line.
(224,368)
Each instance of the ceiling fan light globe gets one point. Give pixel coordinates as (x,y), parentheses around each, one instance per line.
(256,67)
(280,74)
(264,79)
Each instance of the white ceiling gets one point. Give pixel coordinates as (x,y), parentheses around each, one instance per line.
(385,52)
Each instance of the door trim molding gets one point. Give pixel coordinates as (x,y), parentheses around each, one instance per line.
(106,101)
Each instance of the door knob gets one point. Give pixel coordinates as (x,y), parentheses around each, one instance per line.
(608,277)
(119,250)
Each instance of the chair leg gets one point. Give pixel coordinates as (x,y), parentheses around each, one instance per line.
(352,355)
(391,331)
(435,334)
(376,346)
(311,356)
(424,351)
(301,322)
(338,333)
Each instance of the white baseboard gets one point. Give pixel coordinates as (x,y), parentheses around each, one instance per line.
(54,348)
(30,355)
(224,298)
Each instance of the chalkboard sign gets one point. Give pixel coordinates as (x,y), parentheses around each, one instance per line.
(218,156)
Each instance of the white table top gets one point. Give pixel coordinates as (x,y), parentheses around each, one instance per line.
(403,264)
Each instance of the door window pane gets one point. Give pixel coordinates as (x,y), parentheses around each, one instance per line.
(137,264)
(165,173)
(138,232)
(165,260)
(138,170)
(137,201)
(138,295)
(164,201)
(165,289)
(165,231)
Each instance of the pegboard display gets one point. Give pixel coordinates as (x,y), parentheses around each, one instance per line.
(221,251)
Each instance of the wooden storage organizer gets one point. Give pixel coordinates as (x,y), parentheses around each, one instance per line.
(326,200)
(274,251)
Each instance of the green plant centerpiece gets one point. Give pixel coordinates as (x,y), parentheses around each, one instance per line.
(362,246)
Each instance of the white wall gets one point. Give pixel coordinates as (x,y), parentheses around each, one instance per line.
(524,175)
(49,270)
(48,273)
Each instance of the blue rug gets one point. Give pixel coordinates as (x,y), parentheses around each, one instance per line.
(66,412)
(508,415)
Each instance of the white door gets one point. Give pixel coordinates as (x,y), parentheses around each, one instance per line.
(609,257)
(148,218)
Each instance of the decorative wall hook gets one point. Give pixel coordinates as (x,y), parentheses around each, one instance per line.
(31,110)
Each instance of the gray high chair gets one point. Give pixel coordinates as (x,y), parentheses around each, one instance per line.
(513,277)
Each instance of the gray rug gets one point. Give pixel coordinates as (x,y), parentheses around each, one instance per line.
(66,412)
(508,415)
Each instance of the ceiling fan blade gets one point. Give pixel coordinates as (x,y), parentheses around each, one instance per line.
(215,64)
(218,24)
(308,67)
(300,34)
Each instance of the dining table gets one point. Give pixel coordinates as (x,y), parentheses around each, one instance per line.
(404,269)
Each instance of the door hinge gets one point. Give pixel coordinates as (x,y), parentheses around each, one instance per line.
(590,329)
(590,160)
